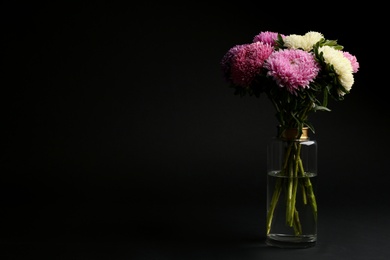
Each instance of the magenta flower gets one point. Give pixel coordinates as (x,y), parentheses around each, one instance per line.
(353,60)
(227,61)
(243,63)
(292,69)
(267,37)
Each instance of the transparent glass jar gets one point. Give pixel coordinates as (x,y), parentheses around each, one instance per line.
(292,190)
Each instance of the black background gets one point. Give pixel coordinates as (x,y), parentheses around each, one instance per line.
(122,140)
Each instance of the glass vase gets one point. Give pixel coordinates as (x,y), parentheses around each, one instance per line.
(291,190)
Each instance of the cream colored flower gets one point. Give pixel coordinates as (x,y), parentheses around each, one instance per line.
(341,65)
(304,42)
(293,41)
(313,37)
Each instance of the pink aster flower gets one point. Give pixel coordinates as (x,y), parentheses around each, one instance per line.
(353,60)
(227,60)
(292,69)
(267,37)
(245,62)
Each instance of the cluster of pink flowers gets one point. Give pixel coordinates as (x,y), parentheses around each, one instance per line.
(297,72)
(291,62)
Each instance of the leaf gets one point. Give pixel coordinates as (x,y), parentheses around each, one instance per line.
(311,127)
(321,108)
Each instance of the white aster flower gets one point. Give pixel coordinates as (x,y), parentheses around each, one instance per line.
(313,37)
(304,42)
(341,65)
(293,41)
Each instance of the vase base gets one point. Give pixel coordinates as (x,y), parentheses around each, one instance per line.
(286,241)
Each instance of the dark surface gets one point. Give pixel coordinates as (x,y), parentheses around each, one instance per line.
(121,140)
(189,232)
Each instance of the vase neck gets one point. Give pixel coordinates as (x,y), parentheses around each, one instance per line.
(291,134)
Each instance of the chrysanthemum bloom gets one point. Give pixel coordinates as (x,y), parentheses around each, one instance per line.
(247,62)
(355,64)
(227,60)
(267,37)
(304,42)
(292,69)
(341,65)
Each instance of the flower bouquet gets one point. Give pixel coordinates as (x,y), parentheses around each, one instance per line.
(299,74)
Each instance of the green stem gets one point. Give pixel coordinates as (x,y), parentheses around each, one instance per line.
(274,202)
(309,191)
(290,198)
(293,183)
(297,224)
